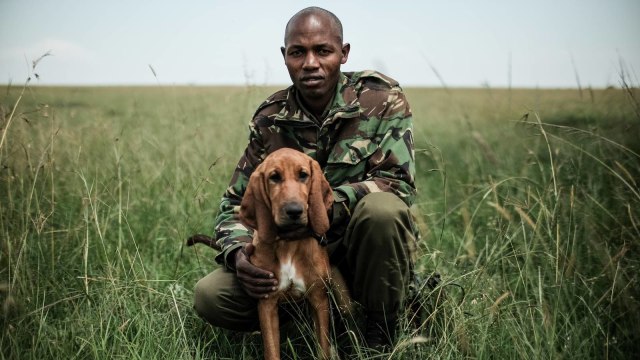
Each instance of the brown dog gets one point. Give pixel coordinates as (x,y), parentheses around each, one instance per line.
(286,202)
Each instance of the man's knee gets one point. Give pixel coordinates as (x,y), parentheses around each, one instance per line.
(205,297)
(220,301)
(378,251)
(384,214)
(381,206)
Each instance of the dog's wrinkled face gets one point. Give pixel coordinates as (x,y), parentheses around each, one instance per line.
(287,177)
(287,193)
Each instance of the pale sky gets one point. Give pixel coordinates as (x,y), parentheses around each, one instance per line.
(525,43)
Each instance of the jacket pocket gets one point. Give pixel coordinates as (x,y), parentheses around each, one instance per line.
(351,151)
(348,161)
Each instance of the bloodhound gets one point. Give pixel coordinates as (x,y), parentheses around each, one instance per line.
(286,202)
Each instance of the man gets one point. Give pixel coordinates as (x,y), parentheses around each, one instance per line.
(358,127)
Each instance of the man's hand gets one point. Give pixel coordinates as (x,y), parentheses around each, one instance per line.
(256,282)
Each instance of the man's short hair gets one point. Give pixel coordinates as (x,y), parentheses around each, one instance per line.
(314,10)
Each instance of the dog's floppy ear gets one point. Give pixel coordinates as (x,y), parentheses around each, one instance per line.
(320,200)
(255,209)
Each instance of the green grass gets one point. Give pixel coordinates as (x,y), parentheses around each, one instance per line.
(528,198)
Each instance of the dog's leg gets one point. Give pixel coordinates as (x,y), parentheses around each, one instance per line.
(320,307)
(268,314)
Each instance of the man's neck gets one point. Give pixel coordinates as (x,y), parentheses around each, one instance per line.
(317,109)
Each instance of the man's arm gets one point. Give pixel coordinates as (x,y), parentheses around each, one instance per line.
(230,233)
(391,166)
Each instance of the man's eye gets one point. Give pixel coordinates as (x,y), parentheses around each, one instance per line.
(275,177)
(324,52)
(295,53)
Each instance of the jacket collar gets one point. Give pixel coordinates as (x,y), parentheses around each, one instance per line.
(344,104)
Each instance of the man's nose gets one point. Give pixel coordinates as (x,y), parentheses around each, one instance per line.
(310,61)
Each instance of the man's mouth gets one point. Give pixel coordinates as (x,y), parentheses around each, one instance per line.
(311,80)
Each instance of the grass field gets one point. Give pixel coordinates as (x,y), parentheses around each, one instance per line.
(529,199)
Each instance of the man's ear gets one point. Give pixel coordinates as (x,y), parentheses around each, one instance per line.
(282,50)
(346,47)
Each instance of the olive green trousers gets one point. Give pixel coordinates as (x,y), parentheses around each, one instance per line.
(374,256)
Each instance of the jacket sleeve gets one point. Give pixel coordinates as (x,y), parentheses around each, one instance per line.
(391,165)
(230,233)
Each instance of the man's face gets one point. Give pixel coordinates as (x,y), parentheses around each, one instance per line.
(313,54)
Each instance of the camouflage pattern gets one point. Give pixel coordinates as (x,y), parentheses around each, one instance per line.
(363,142)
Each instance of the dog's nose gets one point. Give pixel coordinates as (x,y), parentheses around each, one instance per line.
(293,210)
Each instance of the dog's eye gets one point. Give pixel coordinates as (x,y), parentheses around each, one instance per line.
(303,176)
(275,177)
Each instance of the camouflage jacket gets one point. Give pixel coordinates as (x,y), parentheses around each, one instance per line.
(364,144)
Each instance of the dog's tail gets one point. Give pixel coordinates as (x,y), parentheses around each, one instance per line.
(203,239)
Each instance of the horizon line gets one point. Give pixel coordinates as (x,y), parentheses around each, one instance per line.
(30,83)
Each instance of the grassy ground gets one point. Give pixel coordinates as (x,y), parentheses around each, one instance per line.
(528,198)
